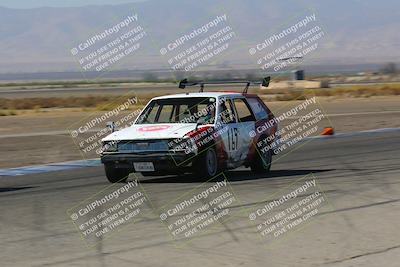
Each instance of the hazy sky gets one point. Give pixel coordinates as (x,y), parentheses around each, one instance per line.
(59,3)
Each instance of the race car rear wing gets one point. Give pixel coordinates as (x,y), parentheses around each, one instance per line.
(264,83)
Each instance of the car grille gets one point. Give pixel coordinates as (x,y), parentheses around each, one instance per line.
(143,146)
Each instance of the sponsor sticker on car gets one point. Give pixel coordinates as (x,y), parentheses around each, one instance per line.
(154,128)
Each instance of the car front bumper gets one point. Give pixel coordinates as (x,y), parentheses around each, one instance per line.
(162,161)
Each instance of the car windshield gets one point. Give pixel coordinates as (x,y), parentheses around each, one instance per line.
(179,110)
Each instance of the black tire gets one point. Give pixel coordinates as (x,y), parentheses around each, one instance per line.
(206,164)
(262,161)
(115,175)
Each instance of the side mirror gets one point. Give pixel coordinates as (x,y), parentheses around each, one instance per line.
(200,121)
(111,126)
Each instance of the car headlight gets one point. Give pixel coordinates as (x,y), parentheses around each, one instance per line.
(185,144)
(192,148)
(110,146)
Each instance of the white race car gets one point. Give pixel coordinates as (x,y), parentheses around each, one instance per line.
(203,133)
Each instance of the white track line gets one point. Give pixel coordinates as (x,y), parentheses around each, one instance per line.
(60,166)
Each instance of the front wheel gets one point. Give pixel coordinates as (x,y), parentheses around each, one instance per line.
(206,166)
(262,161)
(115,175)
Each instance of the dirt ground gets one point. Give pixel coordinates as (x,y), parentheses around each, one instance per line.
(44,137)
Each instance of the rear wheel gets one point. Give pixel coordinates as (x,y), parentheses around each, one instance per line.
(206,166)
(116,175)
(262,161)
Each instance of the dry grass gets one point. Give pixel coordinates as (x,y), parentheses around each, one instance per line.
(97,102)
(350,91)
(9,107)
(291,95)
(7,113)
(52,102)
(359,91)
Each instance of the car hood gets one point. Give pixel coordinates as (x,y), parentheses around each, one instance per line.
(152,131)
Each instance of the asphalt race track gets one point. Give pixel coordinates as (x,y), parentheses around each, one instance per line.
(359,176)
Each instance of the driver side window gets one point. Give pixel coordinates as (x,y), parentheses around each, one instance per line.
(227,113)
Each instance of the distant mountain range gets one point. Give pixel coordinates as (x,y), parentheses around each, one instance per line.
(357,31)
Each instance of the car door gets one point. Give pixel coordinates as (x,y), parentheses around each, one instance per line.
(229,127)
(245,124)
